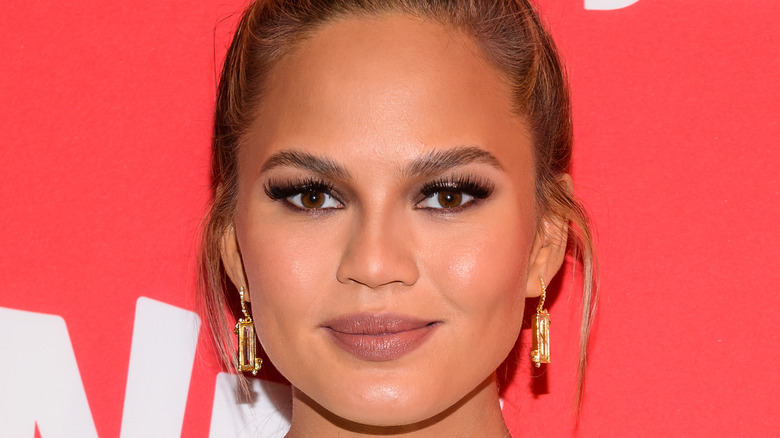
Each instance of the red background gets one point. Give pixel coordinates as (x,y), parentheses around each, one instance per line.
(105,111)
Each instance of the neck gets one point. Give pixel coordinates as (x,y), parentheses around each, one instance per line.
(476,414)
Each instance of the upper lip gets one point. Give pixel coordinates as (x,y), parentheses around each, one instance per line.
(375,324)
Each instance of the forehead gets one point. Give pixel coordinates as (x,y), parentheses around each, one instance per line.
(388,87)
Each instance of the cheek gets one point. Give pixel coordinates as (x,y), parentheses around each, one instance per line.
(482,275)
(283,254)
(276,262)
(484,260)
(285,267)
(486,272)
(489,255)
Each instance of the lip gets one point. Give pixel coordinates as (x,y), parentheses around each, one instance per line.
(379,337)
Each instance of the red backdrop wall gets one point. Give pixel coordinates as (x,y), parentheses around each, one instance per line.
(105,111)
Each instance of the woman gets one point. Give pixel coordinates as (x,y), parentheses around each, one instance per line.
(390,185)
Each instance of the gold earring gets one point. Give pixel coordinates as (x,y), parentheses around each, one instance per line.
(540,331)
(245,329)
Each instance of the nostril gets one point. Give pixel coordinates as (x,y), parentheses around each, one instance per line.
(378,254)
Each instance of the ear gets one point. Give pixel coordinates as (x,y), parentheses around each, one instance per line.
(549,248)
(231,258)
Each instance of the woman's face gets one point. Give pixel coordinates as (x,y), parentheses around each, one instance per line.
(386,219)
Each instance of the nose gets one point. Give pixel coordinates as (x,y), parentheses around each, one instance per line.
(380,251)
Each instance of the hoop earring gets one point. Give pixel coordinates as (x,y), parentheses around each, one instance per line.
(540,331)
(245,329)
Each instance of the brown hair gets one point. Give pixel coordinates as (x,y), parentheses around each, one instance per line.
(511,37)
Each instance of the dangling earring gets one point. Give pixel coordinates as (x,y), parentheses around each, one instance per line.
(540,331)
(245,329)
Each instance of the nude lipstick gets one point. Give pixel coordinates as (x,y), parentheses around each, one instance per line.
(379,337)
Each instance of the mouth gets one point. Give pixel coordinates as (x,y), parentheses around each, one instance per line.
(379,337)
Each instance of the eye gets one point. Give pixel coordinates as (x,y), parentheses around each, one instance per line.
(446,199)
(454,192)
(313,199)
(307,194)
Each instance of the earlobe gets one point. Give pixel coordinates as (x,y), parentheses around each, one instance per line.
(231,258)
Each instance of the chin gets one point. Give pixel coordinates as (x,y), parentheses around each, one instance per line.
(377,406)
(406,406)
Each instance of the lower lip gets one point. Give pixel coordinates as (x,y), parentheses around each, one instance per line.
(385,347)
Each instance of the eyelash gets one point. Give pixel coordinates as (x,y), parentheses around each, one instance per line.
(282,190)
(475,187)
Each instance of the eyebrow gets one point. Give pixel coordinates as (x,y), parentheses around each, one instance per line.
(323,166)
(432,163)
(436,162)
